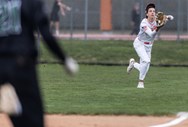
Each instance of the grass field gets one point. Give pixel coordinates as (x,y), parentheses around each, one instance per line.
(119,52)
(108,89)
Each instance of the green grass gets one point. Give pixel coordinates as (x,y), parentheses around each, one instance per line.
(119,52)
(109,90)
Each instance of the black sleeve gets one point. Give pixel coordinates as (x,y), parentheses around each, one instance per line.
(41,21)
(133,15)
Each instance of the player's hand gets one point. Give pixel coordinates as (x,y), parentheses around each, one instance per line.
(71,66)
(69,9)
(9,101)
(159,27)
(156,28)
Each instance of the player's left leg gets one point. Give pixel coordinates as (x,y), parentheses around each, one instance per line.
(57,27)
(51,26)
(144,66)
(24,79)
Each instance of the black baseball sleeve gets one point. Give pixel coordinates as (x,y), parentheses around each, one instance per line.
(42,23)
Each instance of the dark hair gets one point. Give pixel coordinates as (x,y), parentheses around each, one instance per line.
(151,5)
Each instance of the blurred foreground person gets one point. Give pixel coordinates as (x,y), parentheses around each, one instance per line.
(20,95)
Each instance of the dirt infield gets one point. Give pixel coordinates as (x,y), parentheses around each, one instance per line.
(100,121)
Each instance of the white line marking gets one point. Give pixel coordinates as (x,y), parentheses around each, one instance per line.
(181,117)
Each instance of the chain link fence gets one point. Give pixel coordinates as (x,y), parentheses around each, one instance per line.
(84,18)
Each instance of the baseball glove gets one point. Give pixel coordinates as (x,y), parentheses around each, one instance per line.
(161,19)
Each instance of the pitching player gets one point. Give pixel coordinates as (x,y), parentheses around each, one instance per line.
(19,21)
(143,44)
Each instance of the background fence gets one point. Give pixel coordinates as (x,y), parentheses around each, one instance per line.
(85,16)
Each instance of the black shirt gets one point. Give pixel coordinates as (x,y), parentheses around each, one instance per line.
(19,21)
(136,17)
(54,14)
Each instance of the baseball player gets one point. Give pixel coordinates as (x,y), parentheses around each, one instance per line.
(54,17)
(143,44)
(19,21)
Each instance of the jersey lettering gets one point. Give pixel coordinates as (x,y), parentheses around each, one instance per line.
(10,17)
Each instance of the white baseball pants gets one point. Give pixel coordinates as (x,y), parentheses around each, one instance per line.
(144,52)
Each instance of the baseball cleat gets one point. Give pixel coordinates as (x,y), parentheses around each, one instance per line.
(131,65)
(140,85)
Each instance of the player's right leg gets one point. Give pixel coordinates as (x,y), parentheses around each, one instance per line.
(144,64)
(140,84)
(144,67)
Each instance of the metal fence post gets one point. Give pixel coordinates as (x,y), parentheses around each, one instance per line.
(142,9)
(187,16)
(71,20)
(178,21)
(86,19)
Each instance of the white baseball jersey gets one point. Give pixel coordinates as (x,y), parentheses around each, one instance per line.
(143,46)
(147,32)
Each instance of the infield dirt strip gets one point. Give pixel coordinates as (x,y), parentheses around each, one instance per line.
(100,121)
